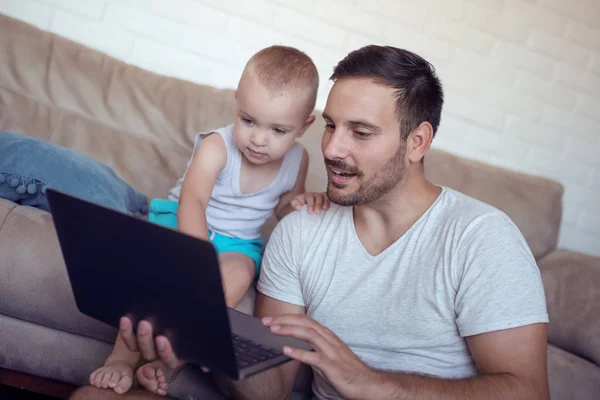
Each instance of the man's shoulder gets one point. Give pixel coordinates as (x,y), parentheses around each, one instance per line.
(301,219)
(460,209)
(476,222)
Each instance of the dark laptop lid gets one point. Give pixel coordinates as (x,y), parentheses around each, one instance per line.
(120,265)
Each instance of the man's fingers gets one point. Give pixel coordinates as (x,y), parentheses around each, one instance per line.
(303,321)
(126,333)
(145,341)
(166,353)
(306,357)
(309,335)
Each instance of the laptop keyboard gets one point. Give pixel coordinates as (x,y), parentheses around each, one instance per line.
(249,353)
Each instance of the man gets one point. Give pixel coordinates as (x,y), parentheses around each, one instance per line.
(404,289)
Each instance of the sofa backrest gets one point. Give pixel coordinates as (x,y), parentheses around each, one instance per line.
(142,125)
(533,203)
(137,122)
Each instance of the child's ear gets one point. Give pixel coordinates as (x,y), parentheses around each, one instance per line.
(309,121)
(235,94)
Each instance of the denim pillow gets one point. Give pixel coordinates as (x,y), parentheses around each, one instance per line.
(28,166)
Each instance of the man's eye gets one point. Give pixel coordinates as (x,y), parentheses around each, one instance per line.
(329,127)
(362,135)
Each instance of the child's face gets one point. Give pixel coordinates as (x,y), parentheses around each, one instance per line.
(267,124)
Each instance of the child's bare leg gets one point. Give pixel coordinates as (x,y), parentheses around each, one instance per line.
(117,372)
(237,272)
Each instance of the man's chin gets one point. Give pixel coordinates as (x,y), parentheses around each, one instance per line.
(337,196)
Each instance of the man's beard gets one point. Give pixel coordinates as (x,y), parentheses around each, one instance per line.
(373,188)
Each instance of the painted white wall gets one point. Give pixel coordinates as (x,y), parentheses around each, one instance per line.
(522,77)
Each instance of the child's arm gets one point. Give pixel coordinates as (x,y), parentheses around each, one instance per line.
(209,159)
(284,207)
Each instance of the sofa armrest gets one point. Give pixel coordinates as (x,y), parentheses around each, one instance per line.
(572,286)
(34,284)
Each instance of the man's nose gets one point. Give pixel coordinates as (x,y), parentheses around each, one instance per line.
(335,145)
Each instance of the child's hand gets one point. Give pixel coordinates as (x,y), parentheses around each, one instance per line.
(314,201)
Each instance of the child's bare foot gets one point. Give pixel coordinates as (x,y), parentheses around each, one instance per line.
(155,377)
(117,376)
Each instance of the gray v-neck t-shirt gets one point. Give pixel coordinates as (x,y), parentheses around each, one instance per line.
(462,269)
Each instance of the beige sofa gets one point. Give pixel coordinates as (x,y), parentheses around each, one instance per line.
(142,125)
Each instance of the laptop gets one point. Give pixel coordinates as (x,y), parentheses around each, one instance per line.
(121,265)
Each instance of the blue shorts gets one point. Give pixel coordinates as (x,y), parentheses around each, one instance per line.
(164,212)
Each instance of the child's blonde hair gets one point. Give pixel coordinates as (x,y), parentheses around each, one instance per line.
(282,67)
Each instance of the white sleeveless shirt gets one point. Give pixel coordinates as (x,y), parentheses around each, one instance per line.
(229,211)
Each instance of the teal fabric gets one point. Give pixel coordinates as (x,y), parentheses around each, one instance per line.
(28,166)
(164,212)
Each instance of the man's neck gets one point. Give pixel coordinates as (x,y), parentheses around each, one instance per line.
(381,223)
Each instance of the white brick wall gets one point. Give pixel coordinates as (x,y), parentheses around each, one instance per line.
(522,77)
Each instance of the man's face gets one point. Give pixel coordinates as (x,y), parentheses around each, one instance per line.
(364,155)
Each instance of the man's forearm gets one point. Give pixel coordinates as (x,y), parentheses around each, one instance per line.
(388,385)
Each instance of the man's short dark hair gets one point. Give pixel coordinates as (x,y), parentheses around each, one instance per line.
(419,94)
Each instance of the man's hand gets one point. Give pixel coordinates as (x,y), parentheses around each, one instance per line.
(512,365)
(151,348)
(314,201)
(341,367)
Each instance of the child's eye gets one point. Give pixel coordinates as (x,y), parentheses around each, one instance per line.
(278,131)
(246,121)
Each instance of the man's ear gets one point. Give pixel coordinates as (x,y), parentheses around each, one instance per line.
(309,121)
(419,141)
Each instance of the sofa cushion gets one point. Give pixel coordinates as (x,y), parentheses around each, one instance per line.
(571,377)
(137,122)
(572,285)
(534,204)
(49,353)
(28,166)
(35,286)
(151,120)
